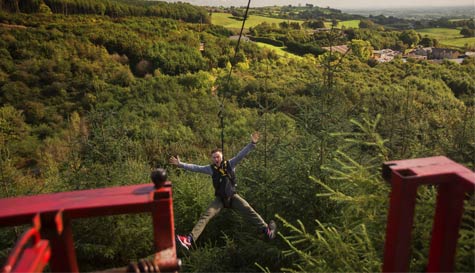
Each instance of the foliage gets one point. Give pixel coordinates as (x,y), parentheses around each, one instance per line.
(113,8)
(466,32)
(350,241)
(302,49)
(410,37)
(226,20)
(366,23)
(268,41)
(361,49)
(91,101)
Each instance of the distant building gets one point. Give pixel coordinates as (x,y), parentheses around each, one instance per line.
(339,48)
(385,55)
(469,54)
(444,53)
(415,56)
(433,53)
(421,51)
(440,61)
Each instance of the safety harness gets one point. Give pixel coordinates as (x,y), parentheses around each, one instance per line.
(224,182)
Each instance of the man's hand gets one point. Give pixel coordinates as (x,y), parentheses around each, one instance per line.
(174,160)
(255,137)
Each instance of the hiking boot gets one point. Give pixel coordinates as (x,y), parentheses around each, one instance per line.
(271,230)
(185,241)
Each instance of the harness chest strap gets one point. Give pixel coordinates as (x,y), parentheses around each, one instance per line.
(222,170)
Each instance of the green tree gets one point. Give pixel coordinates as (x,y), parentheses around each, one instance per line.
(467,33)
(44,9)
(314,24)
(410,37)
(350,241)
(361,49)
(366,23)
(427,42)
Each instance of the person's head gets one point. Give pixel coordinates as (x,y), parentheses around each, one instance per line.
(158,176)
(217,156)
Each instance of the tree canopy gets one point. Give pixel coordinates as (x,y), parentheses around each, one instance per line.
(90,100)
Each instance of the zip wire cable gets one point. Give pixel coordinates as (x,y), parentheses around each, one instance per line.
(221,110)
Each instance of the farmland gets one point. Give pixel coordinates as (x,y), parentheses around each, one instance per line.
(226,20)
(448,37)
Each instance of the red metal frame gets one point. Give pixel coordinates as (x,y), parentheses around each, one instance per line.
(56,211)
(453,181)
(28,258)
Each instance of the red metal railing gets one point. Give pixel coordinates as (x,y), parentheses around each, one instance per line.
(54,212)
(26,258)
(453,181)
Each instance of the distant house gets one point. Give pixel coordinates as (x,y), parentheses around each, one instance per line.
(444,53)
(339,48)
(415,56)
(469,54)
(421,51)
(440,61)
(385,55)
(433,53)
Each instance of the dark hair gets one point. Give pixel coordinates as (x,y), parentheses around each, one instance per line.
(158,176)
(216,150)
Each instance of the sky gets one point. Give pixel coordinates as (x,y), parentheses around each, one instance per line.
(393,4)
(340,4)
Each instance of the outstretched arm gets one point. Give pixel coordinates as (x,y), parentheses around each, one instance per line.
(190,167)
(174,160)
(247,149)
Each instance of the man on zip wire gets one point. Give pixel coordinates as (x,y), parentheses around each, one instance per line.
(224,183)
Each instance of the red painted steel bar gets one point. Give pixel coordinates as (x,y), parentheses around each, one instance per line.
(164,231)
(453,181)
(25,258)
(56,227)
(399,225)
(56,211)
(78,204)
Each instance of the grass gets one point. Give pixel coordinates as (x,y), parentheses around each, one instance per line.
(226,20)
(279,51)
(448,37)
(347,24)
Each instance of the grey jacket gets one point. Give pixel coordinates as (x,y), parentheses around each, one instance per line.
(206,169)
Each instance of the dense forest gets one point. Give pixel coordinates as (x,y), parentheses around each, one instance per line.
(177,11)
(91,99)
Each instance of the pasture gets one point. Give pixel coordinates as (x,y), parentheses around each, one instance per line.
(279,51)
(448,37)
(226,20)
(348,24)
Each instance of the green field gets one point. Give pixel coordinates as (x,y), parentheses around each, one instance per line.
(349,23)
(279,50)
(226,20)
(447,37)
